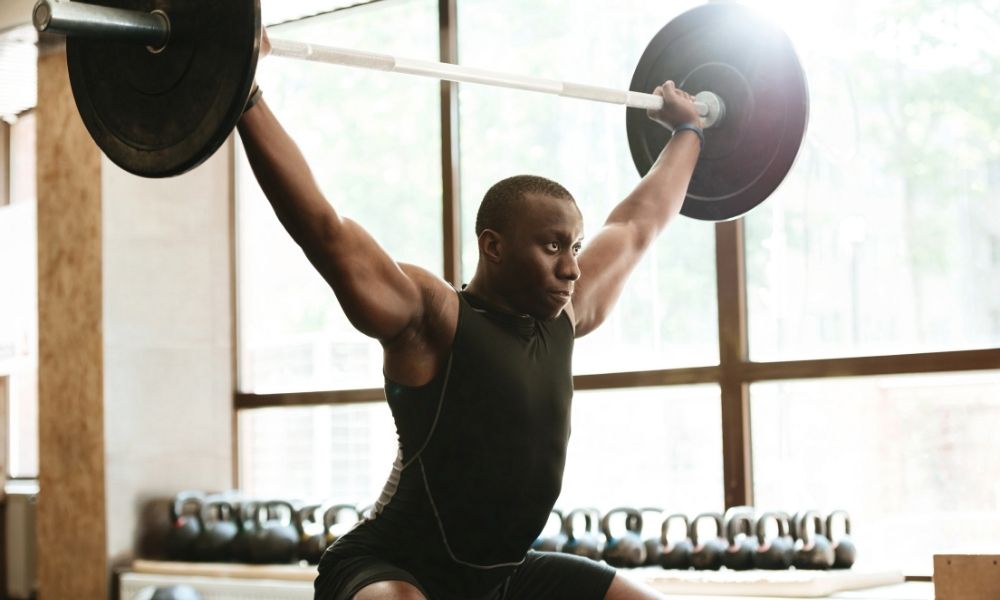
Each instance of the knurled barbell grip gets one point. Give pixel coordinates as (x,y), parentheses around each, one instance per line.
(79,19)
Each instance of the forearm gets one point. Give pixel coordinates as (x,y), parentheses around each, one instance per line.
(285,177)
(659,195)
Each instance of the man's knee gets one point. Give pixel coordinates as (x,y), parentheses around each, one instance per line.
(389,590)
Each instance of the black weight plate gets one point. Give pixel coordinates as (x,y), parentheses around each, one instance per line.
(161,114)
(728,49)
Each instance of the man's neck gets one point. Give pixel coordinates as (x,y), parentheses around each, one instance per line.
(478,287)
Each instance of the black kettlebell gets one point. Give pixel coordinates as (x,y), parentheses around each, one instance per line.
(217,520)
(552,542)
(335,525)
(675,553)
(742,544)
(312,538)
(773,553)
(844,551)
(814,550)
(176,592)
(706,553)
(184,525)
(246,513)
(586,543)
(275,540)
(653,544)
(626,550)
(173,592)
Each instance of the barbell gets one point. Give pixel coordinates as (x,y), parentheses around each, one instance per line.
(160,84)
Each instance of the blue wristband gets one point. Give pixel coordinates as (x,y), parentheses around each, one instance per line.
(691,127)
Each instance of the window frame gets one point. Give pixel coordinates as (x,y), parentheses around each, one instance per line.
(734,372)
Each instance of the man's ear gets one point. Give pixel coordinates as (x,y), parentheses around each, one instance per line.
(491,246)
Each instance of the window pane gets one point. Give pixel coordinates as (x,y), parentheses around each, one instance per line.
(912,458)
(883,238)
(636,447)
(19,302)
(657,447)
(373,141)
(22,419)
(339,453)
(667,315)
(22,159)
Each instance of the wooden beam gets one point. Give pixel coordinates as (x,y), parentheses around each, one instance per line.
(859,366)
(631,379)
(71,444)
(247,401)
(451,188)
(730,273)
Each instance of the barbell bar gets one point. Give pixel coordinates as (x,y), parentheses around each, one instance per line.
(152,29)
(161,84)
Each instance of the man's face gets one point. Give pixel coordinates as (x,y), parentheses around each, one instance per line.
(539,267)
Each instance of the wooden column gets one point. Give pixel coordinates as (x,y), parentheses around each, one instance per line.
(733,352)
(72,557)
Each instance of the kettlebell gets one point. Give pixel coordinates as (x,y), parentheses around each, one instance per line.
(844,551)
(173,592)
(706,553)
(742,544)
(626,550)
(275,540)
(814,551)
(652,542)
(552,542)
(312,538)
(218,530)
(184,526)
(335,525)
(587,543)
(246,512)
(675,554)
(773,553)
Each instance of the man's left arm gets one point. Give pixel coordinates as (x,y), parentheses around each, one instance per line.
(633,224)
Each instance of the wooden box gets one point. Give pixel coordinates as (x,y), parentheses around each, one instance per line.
(967,576)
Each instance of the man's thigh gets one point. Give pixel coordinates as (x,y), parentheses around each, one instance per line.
(554,576)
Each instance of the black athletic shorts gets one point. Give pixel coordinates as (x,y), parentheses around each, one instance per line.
(542,576)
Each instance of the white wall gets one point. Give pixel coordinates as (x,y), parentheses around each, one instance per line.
(168,355)
(15,12)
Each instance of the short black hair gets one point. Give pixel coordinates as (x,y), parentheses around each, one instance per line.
(501,202)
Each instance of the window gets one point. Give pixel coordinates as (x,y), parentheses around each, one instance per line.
(643,447)
(4,164)
(871,276)
(871,245)
(19,300)
(374,145)
(910,457)
(667,315)
(340,453)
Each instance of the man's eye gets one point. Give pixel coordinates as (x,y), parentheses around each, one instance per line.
(553,246)
(577,248)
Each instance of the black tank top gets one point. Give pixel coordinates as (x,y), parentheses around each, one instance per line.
(481,454)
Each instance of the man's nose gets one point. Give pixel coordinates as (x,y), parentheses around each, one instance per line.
(569,268)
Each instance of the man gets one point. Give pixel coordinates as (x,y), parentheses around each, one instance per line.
(478,380)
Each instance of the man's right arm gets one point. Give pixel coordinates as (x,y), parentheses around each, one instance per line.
(381,298)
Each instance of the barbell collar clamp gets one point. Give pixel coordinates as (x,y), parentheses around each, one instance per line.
(78,19)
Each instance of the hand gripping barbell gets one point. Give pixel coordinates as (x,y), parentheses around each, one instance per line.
(160,85)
